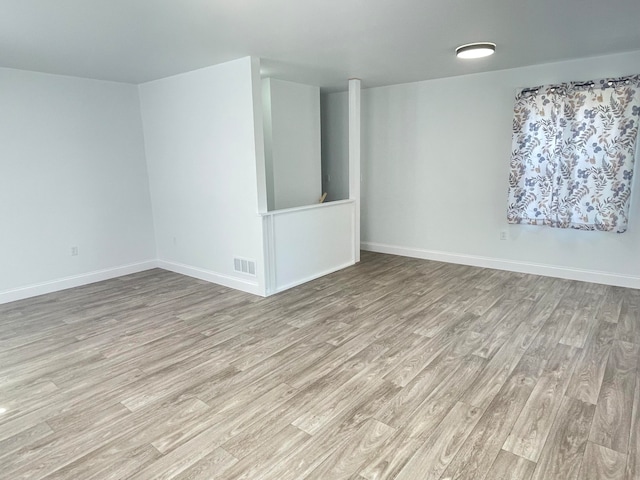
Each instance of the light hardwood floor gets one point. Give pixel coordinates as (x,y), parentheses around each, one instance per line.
(395,368)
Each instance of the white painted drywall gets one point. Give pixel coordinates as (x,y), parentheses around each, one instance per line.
(335,145)
(435,163)
(310,242)
(265,86)
(355,148)
(72,173)
(292,143)
(201,155)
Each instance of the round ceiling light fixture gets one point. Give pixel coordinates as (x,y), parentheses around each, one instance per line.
(476,50)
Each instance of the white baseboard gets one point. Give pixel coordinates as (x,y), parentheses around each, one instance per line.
(213,277)
(74,281)
(282,288)
(568,273)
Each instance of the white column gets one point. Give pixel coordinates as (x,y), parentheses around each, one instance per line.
(258,133)
(354,158)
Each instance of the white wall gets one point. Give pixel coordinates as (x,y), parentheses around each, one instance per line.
(292,143)
(201,153)
(335,145)
(72,173)
(435,169)
(309,242)
(265,86)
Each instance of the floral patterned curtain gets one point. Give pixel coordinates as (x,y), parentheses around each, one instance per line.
(573,154)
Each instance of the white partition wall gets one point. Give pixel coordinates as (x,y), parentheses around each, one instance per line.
(304,243)
(308,242)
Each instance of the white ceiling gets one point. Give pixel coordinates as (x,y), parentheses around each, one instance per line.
(322,42)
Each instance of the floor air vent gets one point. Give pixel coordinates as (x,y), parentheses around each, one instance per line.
(243,265)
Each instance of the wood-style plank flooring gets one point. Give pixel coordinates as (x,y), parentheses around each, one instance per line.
(394,368)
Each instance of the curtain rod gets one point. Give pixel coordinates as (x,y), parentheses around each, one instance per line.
(609,83)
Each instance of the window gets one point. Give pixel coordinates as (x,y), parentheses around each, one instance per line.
(573,154)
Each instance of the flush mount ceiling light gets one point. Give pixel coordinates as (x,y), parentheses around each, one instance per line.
(476,50)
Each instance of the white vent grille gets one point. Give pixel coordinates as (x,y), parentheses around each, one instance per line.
(242,265)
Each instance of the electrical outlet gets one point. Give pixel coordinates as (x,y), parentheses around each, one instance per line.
(74,251)
(504,235)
